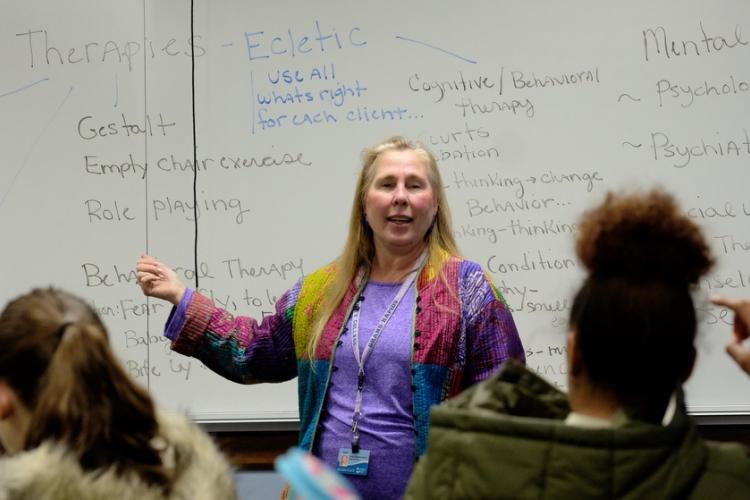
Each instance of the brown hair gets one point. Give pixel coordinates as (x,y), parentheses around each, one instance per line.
(56,356)
(359,248)
(634,318)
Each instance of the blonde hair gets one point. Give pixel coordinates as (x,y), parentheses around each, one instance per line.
(56,357)
(359,249)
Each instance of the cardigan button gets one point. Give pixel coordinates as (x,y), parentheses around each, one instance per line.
(416,346)
(413,371)
(413,387)
(417,333)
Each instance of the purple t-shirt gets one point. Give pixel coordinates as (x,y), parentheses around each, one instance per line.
(387,425)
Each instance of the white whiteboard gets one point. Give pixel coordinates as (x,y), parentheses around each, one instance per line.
(534,110)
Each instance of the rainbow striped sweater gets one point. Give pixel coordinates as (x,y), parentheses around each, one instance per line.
(462,331)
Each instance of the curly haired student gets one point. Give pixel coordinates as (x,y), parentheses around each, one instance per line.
(622,430)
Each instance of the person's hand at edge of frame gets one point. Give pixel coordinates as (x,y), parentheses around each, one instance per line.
(736,348)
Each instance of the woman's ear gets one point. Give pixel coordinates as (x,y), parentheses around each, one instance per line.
(6,401)
(689,366)
(574,357)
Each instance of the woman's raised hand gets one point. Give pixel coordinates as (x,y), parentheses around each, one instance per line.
(158,280)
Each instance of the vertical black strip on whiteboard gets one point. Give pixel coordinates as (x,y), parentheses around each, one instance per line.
(195,142)
(145,162)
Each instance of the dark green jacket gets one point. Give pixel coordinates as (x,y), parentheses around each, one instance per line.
(505,438)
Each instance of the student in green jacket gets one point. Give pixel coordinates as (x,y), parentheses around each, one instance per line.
(622,430)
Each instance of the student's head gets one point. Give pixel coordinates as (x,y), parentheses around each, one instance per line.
(633,322)
(60,382)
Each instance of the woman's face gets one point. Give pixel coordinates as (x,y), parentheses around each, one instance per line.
(400,203)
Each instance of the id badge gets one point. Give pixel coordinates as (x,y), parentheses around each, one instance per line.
(353,464)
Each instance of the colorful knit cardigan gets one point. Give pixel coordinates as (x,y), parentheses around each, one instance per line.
(462,331)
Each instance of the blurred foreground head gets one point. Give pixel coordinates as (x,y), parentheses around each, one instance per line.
(60,381)
(633,319)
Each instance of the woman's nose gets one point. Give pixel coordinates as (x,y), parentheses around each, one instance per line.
(399,194)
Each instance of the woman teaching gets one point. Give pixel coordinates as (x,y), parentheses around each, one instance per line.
(397,323)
